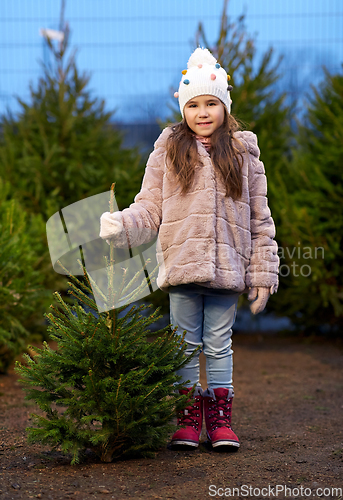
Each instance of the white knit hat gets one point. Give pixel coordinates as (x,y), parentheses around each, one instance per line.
(204,76)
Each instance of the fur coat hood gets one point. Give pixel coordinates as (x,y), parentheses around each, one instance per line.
(205,237)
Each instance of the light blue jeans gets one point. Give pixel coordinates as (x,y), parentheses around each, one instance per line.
(208,320)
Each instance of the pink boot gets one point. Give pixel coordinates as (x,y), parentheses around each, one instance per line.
(217,409)
(192,418)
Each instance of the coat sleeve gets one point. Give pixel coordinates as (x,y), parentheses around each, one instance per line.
(141,221)
(264,260)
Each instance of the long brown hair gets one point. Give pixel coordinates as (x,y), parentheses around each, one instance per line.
(226,155)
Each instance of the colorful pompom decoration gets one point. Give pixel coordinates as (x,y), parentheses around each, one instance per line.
(186,82)
(213,77)
(176,95)
(199,65)
(229,87)
(217,65)
(184,71)
(228,78)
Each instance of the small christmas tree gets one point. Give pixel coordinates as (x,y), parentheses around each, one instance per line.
(111,384)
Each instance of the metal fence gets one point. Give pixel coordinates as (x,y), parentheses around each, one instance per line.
(136,50)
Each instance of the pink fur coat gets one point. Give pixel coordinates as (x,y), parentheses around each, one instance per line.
(205,237)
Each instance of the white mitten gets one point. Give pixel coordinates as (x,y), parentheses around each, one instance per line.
(110,225)
(259,296)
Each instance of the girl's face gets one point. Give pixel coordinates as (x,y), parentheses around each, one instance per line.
(204,114)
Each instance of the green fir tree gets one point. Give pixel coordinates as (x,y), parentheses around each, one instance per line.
(110,386)
(22,296)
(311,230)
(62,146)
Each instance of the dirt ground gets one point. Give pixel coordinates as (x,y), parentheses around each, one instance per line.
(287,412)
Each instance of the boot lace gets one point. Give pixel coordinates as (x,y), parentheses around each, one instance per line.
(220,413)
(188,415)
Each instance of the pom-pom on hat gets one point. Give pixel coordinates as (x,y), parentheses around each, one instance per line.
(204,76)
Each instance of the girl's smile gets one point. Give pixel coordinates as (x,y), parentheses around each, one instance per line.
(204,114)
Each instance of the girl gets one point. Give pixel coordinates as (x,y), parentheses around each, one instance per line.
(204,192)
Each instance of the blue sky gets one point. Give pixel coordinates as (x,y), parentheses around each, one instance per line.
(135,50)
